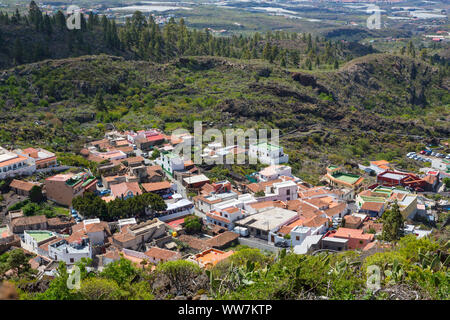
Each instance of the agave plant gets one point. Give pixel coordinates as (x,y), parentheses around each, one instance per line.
(340,267)
(432,260)
(394,271)
(237,276)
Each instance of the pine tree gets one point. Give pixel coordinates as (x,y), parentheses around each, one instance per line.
(336,64)
(18,52)
(98,101)
(392,223)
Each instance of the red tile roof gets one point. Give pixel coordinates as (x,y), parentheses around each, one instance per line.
(155,186)
(22,185)
(162,254)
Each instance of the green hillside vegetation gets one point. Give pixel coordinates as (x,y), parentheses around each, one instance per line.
(61,104)
(413,269)
(334,101)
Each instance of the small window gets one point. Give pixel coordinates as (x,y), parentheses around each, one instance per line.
(297,238)
(71,260)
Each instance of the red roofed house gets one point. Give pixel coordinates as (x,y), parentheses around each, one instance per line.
(22,187)
(157,255)
(62,188)
(356,238)
(161,188)
(42,157)
(125,190)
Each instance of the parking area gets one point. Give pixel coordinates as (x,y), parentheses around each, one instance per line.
(439,161)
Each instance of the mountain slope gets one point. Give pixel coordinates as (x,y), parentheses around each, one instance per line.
(55,102)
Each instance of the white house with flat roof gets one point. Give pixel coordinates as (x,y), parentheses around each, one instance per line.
(264,223)
(280,191)
(177,209)
(268,153)
(13,164)
(32,239)
(70,253)
(274,172)
(170,162)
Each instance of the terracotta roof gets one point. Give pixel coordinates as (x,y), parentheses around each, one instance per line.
(303,208)
(29,150)
(313,192)
(203,199)
(154,168)
(261,186)
(222,239)
(76,236)
(100,142)
(122,143)
(335,210)
(94,158)
(378,227)
(121,189)
(22,185)
(155,186)
(133,160)
(123,237)
(380,163)
(45,245)
(318,202)
(25,221)
(267,204)
(397,196)
(125,149)
(207,188)
(231,210)
(352,233)
(12,161)
(194,242)
(162,254)
(217,216)
(430,179)
(58,222)
(285,230)
(352,219)
(94,227)
(315,222)
(112,254)
(372,206)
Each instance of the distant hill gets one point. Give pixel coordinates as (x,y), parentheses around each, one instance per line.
(369,104)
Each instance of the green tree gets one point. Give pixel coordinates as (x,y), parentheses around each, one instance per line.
(180,274)
(155,154)
(121,271)
(446,182)
(100,289)
(36,195)
(98,101)
(393,223)
(18,262)
(192,224)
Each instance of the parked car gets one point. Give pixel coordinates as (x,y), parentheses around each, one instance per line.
(100,184)
(447,157)
(422,152)
(282,244)
(106,191)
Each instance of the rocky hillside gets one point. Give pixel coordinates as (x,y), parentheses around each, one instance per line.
(349,113)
